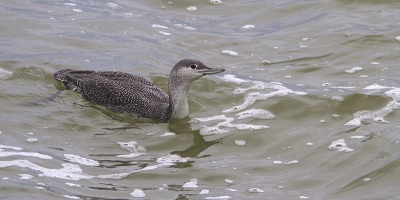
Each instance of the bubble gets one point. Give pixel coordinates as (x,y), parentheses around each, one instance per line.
(229,52)
(81,160)
(4,74)
(255,190)
(240,142)
(256,113)
(353,70)
(190,184)
(204,191)
(137,193)
(191,8)
(30,133)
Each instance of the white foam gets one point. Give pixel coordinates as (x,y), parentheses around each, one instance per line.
(190,184)
(309,144)
(171,159)
(27,154)
(67,172)
(339,145)
(73,185)
(304,39)
(231,189)
(132,147)
(70,4)
(158,26)
(229,52)
(256,113)
(366,180)
(164,33)
(31,140)
(374,63)
(248,26)
(353,70)
(191,8)
(216,2)
(10,147)
(81,160)
(255,190)
(303,197)
(228,181)
(376,87)
(292,162)
(138,193)
(204,191)
(357,137)
(166,134)
(398,38)
(219,197)
(338,99)
(112,5)
(240,142)
(277,162)
(25,176)
(232,78)
(71,197)
(4,74)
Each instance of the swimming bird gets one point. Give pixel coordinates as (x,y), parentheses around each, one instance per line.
(130,94)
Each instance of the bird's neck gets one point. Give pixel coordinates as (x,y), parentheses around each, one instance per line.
(177,92)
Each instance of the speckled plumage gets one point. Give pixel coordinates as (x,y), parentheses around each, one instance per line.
(130,94)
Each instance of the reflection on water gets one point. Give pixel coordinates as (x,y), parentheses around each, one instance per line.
(306,110)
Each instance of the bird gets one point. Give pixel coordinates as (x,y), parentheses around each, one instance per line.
(131,94)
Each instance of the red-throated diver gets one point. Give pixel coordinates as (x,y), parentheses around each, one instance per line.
(130,94)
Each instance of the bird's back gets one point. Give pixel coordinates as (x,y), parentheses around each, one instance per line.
(118,91)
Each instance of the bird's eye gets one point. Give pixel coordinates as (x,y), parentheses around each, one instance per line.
(193,66)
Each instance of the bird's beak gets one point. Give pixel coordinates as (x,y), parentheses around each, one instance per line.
(209,71)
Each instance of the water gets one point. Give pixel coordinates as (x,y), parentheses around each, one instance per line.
(307,109)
